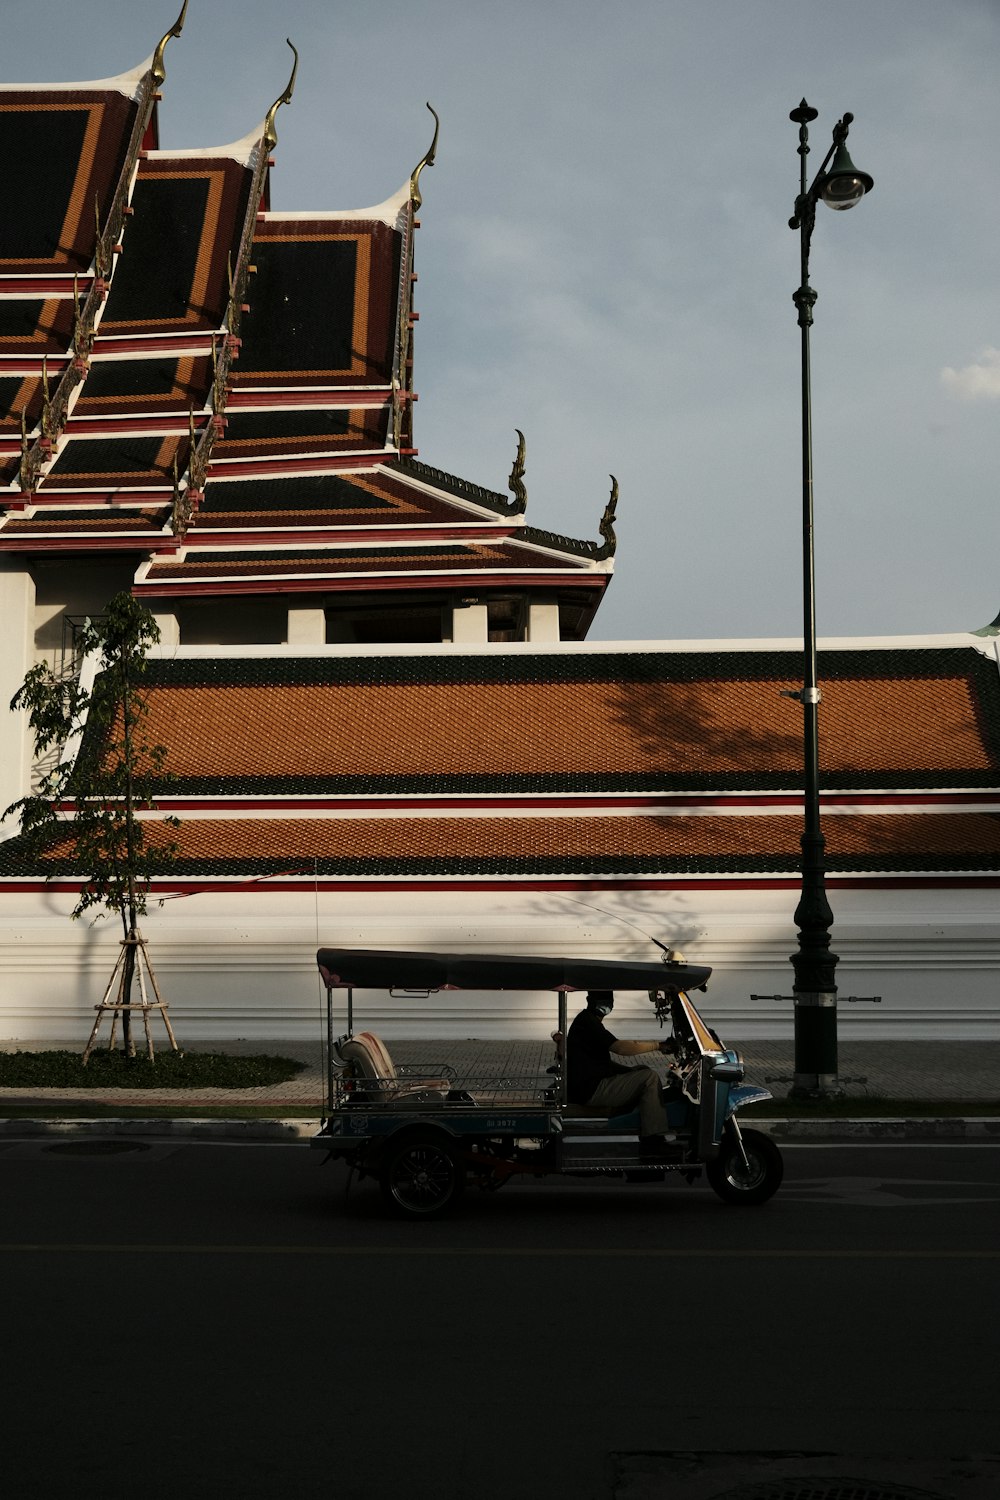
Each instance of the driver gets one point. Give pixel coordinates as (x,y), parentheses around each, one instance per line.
(593,1079)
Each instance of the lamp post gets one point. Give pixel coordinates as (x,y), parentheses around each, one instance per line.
(840,185)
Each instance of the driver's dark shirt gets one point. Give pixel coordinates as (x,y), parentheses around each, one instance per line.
(588,1059)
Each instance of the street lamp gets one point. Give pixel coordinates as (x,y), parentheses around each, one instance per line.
(840,185)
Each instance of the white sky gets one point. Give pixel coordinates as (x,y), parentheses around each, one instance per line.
(605,263)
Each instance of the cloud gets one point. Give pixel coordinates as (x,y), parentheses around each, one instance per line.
(980,379)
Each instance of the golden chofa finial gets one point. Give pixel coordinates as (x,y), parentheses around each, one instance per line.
(516,481)
(606,525)
(426,161)
(158,71)
(270,134)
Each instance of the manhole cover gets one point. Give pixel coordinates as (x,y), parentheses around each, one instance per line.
(96,1148)
(825,1489)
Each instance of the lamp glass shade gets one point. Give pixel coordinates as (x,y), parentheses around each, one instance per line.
(844,185)
(843,192)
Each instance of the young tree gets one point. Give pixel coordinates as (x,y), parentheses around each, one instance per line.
(83,812)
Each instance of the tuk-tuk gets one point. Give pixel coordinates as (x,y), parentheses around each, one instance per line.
(426,1133)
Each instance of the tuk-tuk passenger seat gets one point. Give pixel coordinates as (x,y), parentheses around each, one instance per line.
(368,1058)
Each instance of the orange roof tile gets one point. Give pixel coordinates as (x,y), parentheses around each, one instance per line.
(543,845)
(882,729)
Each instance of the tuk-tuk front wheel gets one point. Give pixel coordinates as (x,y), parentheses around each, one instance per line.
(751,1181)
(420,1176)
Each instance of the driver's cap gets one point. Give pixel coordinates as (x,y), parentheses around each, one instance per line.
(602,1000)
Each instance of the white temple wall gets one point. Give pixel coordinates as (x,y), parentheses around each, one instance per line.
(169,627)
(242,965)
(469,624)
(543,620)
(306,627)
(71,588)
(17,632)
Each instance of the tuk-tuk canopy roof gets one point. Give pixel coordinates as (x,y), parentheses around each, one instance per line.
(382,968)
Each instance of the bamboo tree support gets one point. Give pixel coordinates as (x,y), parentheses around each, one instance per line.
(133,959)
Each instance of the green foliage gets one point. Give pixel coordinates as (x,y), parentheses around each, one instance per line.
(170,1070)
(91,800)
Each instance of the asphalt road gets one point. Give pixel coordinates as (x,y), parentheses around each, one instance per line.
(192,1320)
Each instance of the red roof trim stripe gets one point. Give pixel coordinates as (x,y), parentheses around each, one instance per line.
(459,801)
(19,287)
(310,536)
(790,882)
(289,583)
(264,400)
(53,541)
(329,463)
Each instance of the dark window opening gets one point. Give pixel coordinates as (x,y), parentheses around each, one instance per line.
(506,619)
(391,624)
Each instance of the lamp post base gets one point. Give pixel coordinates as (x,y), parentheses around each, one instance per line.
(815,1075)
(816,1086)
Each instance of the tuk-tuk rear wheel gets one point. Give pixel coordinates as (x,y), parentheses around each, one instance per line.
(420,1177)
(753,1181)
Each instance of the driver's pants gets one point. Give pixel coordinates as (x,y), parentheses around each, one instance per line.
(639,1086)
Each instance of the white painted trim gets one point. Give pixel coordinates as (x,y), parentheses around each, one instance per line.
(391,211)
(123,83)
(244,151)
(591,648)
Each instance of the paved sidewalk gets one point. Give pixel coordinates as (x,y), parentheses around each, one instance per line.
(895,1070)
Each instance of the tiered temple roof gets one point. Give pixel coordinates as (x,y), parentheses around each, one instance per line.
(565,768)
(222,391)
(221,395)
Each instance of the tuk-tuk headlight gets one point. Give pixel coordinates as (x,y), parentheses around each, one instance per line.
(728,1072)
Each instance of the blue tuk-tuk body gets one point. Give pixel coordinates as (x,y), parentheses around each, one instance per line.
(426,1133)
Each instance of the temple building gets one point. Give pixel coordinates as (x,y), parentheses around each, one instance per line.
(383,718)
(211,403)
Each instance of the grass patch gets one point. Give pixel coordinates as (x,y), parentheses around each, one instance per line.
(871,1108)
(169,1070)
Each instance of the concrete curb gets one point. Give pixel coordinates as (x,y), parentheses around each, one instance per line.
(177,1129)
(888,1130)
(944,1128)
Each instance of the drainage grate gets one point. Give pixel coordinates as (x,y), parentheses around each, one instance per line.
(825,1489)
(95,1148)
